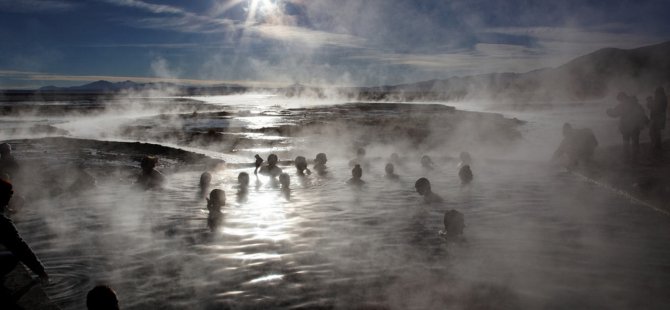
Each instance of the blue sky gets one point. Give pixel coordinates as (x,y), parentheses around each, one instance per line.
(316,42)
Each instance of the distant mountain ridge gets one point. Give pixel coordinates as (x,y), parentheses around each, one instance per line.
(591,76)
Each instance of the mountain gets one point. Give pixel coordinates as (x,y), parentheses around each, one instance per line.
(592,76)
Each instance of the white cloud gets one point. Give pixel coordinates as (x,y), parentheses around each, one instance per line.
(312,38)
(28,6)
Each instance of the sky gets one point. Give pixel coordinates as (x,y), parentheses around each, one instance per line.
(312,42)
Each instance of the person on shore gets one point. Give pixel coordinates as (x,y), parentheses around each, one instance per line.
(16,249)
(465,174)
(320,163)
(102,297)
(258,163)
(631,121)
(390,172)
(8,164)
(578,145)
(356,175)
(454,223)
(301,166)
(427,163)
(216,200)
(150,178)
(271,168)
(657,107)
(422,187)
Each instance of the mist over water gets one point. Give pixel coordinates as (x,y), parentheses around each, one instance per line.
(535,237)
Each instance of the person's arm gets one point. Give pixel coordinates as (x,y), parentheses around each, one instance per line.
(15,244)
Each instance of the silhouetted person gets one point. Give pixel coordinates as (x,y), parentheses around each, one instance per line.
(216,200)
(657,107)
(150,178)
(360,158)
(320,163)
(102,297)
(301,166)
(454,223)
(631,120)
(8,164)
(16,249)
(422,186)
(465,174)
(465,158)
(578,145)
(204,183)
(243,189)
(258,163)
(271,168)
(427,162)
(356,175)
(390,172)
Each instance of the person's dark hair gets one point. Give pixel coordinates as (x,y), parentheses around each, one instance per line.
(301,163)
(205,178)
(243,179)
(102,297)
(272,159)
(5,148)
(148,162)
(5,192)
(357,172)
(321,158)
(217,197)
(389,168)
(422,185)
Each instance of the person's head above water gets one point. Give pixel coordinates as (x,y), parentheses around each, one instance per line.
(389,168)
(426,161)
(102,297)
(148,163)
(300,163)
(205,179)
(357,172)
(320,159)
(5,149)
(243,179)
(360,152)
(217,197)
(272,159)
(422,186)
(567,129)
(285,180)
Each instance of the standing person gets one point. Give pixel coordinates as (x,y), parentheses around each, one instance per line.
(657,106)
(631,121)
(8,164)
(17,249)
(258,163)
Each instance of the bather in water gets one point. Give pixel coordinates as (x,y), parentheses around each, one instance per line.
(427,163)
(454,223)
(216,200)
(285,181)
(422,186)
(390,174)
(271,168)
(205,180)
(301,166)
(243,186)
(150,178)
(356,175)
(258,163)
(320,164)
(465,173)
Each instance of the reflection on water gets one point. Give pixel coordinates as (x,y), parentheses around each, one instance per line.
(535,238)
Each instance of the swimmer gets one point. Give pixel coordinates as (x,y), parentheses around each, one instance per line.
(422,186)
(150,178)
(216,200)
(427,162)
(356,175)
(258,163)
(454,223)
(205,180)
(301,166)
(320,163)
(465,174)
(271,168)
(390,174)
(243,181)
(102,297)
(396,161)
(360,158)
